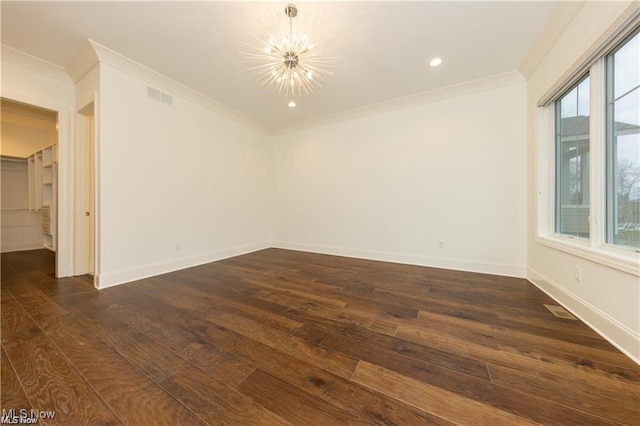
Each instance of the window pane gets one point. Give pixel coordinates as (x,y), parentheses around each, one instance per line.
(627,67)
(572,162)
(623,145)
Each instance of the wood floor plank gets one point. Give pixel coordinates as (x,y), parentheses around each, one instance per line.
(552,324)
(15,322)
(582,396)
(196,299)
(526,357)
(215,402)
(376,309)
(423,300)
(363,343)
(98,322)
(531,407)
(480,389)
(331,388)
(152,405)
(380,356)
(270,319)
(292,404)
(134,397)
(153,359)
(105,369)
(323,293)
(431,399)
(378,325)
(334,362)
(12,395)
(376,322)
(217,363)
(472,306)
(517,339)
(68,286)
(51,382)
(87,302)
(153,325)
(146,321)
(40,307)
(294,300)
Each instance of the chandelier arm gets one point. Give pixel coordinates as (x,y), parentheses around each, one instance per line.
(270,78)
(320,68)
(264,66)
(308,88)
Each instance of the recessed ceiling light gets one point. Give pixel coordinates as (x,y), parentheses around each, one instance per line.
(291,104)
(435,62)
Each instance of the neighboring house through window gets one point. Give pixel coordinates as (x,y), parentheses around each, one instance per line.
(572,161)
(623,144)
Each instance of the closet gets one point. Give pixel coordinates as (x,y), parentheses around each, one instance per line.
(28,178)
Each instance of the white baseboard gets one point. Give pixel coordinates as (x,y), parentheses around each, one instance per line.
(111,279)
(9,247)
(505,269)
(620,336)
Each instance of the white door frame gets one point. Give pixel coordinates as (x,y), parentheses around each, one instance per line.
(65,216)
(82,237)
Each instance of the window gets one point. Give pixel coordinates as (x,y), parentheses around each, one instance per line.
(589,156)
(572,162)
(623,144)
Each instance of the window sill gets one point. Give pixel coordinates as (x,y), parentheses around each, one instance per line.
(619,259)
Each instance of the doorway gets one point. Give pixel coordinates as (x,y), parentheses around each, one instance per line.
(29,153)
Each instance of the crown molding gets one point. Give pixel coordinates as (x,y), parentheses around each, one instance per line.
(154,78)
(462,89)
(83,62)
(33,63)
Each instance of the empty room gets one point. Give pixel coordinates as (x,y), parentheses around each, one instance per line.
(320,213)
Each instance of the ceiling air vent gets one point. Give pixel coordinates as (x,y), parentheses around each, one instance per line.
(159,96)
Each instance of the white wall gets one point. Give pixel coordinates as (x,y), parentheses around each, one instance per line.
(28,85)
(170,176)
(390,186)
(607,299)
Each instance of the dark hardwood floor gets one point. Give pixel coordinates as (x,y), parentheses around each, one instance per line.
(284,337)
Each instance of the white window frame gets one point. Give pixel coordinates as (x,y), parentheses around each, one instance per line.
(596,248)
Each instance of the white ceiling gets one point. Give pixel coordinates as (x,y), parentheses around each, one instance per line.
(384,47)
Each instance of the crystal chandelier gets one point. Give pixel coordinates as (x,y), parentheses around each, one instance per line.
(287,60)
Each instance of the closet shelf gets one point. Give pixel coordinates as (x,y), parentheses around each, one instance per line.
(42,168)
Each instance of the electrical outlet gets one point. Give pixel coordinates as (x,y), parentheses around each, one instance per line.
(178,245)
(578,274)
(440,244)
